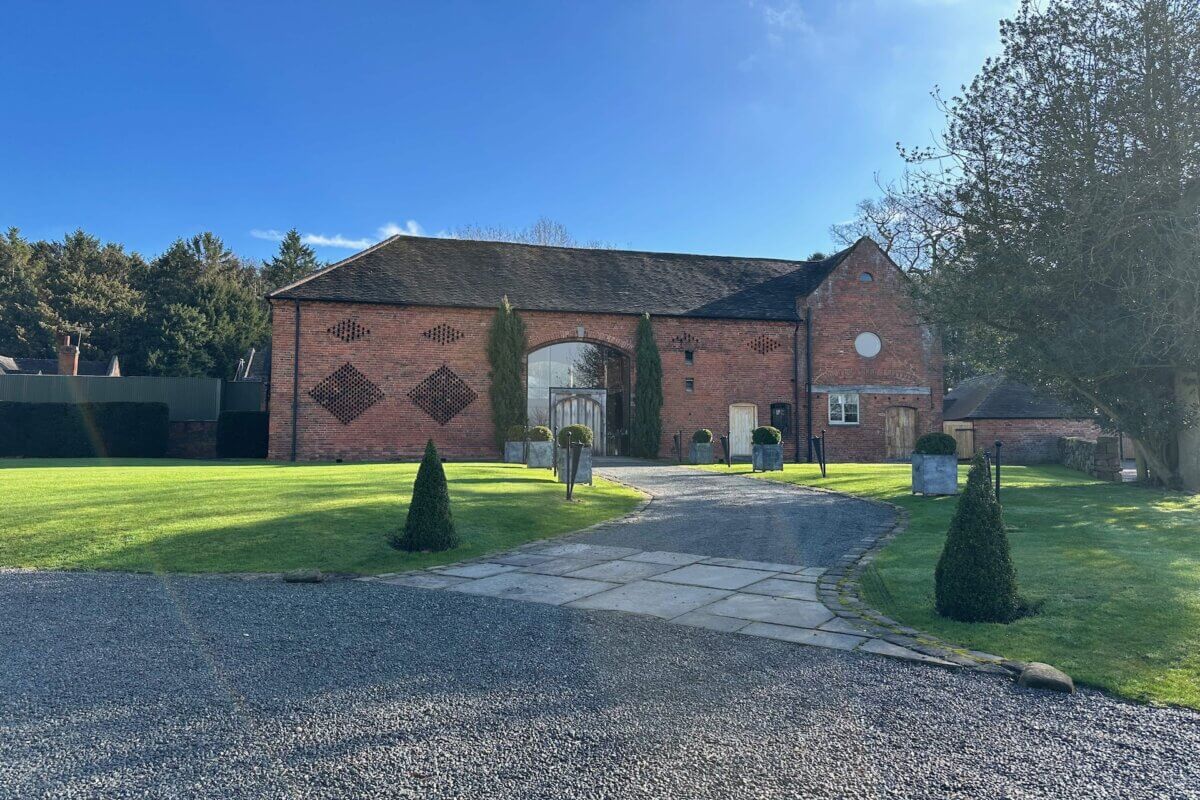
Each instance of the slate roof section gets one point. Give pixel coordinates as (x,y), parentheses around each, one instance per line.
(996,397)
(47,366)
(411,270)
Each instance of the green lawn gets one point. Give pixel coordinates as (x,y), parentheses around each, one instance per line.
(1117,566)
(256,516)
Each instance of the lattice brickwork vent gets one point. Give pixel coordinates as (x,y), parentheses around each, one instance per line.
(346,393)
(685,341)
(443,334)
(763,344)
(442,395)
(349,330)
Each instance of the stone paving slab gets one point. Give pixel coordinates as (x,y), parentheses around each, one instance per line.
(663,557)
(836,641)
(477,570)
(561,566)
(621,571)
(775,587)
(713,622)
(652,598)
(533,588)
(765,566)
(425,580)
(521,559)
(713,576)
(882,648)
(839,625)
(777,610)
(576,550)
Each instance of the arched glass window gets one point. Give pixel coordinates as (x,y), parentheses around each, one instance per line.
(580,365)
(866,277)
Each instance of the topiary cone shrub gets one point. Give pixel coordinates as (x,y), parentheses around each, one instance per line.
(429,525)
(975,580)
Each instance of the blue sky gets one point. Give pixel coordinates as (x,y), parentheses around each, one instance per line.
(715,127)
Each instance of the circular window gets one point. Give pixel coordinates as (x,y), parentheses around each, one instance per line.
(867,345)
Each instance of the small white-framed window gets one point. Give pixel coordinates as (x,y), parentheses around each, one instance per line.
(689,385)
(843,408)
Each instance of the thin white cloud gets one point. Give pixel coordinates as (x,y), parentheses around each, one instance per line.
(409,228)
(337,240)
(785,21)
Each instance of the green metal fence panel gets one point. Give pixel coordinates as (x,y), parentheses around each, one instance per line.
(187,398)
(242,396)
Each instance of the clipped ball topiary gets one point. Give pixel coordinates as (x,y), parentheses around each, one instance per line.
(702,436)
(765,434)
(429,525)
(975,580)
(540,433)
(578,433)
(936,444)
(515,433)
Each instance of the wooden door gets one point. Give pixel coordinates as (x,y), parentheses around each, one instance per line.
(900,432)
(743,418)
(964,438)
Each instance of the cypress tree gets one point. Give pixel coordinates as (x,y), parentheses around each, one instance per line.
(429,525)
(975,580)
(505,350)
(646,430)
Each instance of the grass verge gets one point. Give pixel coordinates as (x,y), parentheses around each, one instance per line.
(1115,567)
(258,516)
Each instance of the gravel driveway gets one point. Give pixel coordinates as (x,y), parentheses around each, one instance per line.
(737,517)
(127,685)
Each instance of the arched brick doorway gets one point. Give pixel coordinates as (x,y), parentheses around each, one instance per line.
(597,367)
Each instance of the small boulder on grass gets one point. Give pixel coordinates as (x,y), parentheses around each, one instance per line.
(429,525)
(975,580)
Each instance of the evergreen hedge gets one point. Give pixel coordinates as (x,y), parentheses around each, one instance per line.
(765,434)
(580,433)
(84,430)
(429,525)
(645,433)
(506,351)
(936,444)
(540,433)
(242,434)
(975,580)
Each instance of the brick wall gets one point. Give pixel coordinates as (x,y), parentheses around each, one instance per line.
(845,306)
(1030,441)
(394,354)
(735,362)
(192,439)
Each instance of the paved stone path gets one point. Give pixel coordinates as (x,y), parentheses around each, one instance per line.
(701,520)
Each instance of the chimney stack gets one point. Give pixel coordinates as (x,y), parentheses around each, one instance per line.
(68,354)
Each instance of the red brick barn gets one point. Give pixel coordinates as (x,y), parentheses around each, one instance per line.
(390,349)
(981,411)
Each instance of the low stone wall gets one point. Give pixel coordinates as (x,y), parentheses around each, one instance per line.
(1100,458)
(192,439)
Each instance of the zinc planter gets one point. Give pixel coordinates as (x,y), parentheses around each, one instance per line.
(541,455)
(701,453)
(767,458)
(514,452)
(584,474)
(934,475)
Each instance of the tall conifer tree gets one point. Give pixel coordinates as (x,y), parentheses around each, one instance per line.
(505,350)
(646,431)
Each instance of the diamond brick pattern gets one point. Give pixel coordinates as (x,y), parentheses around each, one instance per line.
(443,334)
(442,395)
(763,344)
(685,341)
(346,393)
(349,330)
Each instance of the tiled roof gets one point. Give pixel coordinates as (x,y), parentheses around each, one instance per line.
(47,366)
(456,272)
(996,397)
